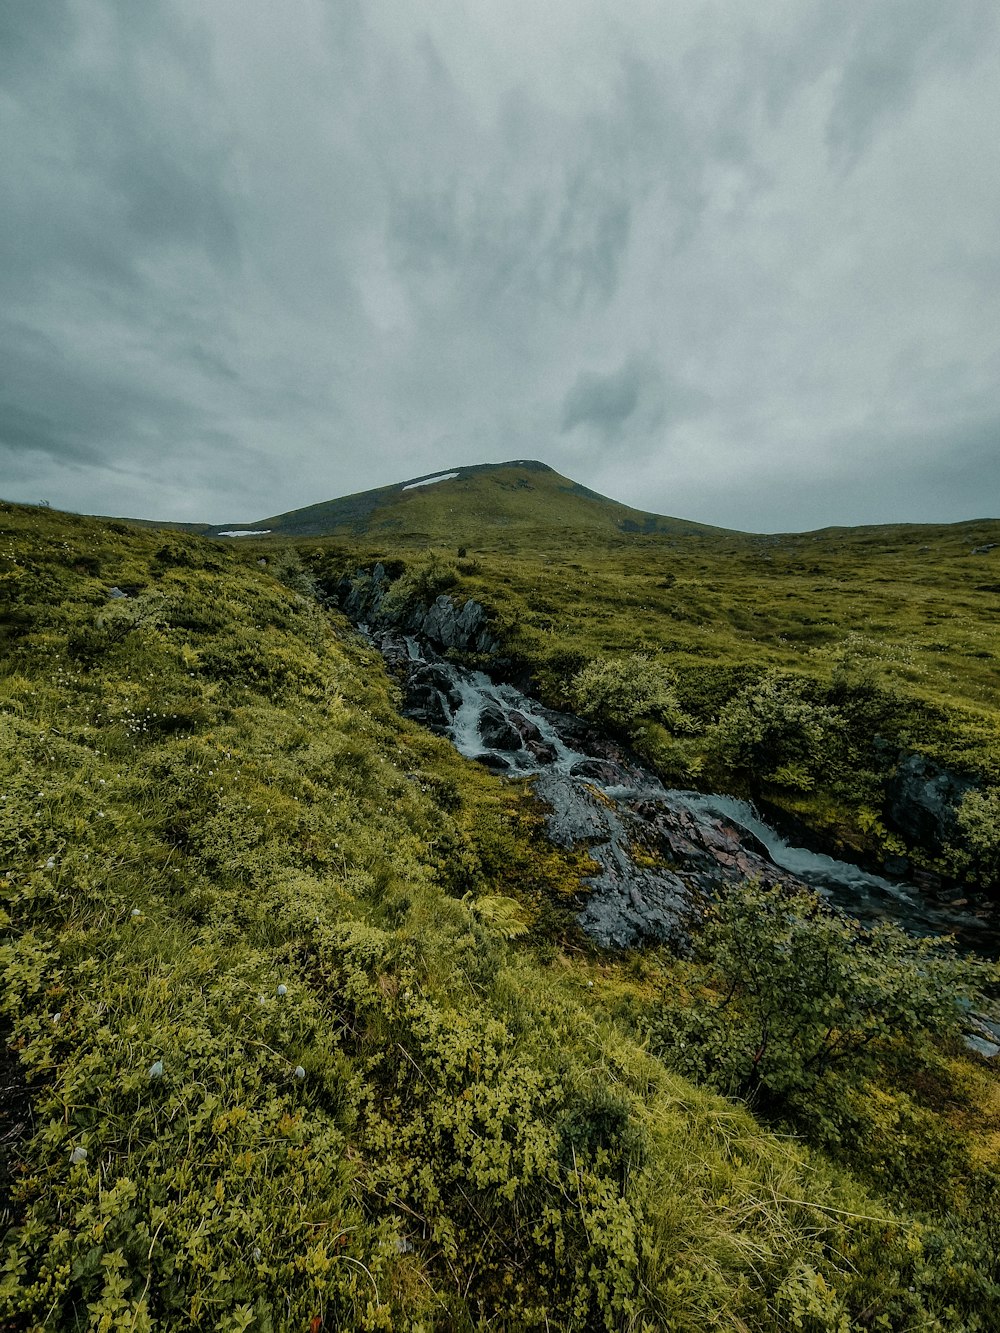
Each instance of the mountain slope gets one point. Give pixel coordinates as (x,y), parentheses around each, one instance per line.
(463,504)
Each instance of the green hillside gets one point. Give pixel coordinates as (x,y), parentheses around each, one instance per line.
(509,503)
(299,1032)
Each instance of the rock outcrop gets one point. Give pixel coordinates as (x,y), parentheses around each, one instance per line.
(922,801)
(445,624)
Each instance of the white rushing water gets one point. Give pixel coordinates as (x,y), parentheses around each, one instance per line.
(859,892)
(812,867)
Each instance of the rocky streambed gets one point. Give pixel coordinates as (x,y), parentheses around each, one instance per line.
(658,852)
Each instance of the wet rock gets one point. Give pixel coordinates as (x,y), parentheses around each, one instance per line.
(429,695)
(982,1034)
(526,729)
(922,801)
(576,814)
(495,762)
(496,731)
(629,904)
(599,770)
(541,751)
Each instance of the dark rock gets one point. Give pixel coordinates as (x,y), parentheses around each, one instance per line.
(896,865)
(496,731)
(603,771)
(496,762)
(526,729)
(472,630)
(922,800)
(429,695)
(444,625)
(361,597)
(629,903)
(439,623)
(577,814)
(927,880)
(541,751)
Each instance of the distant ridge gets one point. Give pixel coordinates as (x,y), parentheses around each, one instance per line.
(517,497)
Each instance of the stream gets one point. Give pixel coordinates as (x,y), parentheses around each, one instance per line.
(658,852)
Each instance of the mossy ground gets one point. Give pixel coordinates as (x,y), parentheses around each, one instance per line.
(304,1028)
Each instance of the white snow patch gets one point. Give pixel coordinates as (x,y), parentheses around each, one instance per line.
(429,481)
(246,532)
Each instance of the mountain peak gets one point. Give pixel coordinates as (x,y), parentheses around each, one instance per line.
(524,498)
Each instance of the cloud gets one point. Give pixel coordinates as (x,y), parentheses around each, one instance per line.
(894,46)
(605,401)
(638,397)
(684,253)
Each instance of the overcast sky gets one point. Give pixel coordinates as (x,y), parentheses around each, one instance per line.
(734,262)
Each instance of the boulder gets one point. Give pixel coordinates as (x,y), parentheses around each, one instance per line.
(496,763)
(922,800)
(462,629)
(438,625)
(429,696)
(496,731)
(525,728)
(541,751)
(360,597)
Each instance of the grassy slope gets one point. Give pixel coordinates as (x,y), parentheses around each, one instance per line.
(208,795)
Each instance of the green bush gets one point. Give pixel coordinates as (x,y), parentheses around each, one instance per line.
(773,732)
(288,569)
(620,692)
(976,850)
(420,585)
(792,992)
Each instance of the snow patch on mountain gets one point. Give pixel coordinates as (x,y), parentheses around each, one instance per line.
(429,481)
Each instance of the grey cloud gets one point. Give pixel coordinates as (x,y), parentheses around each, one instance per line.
(105,170)
(30,34)
(893,43)
(23,430)
(605,401)
(557,238)
(639,396)
(65,407)
(313,256)
(875,475)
